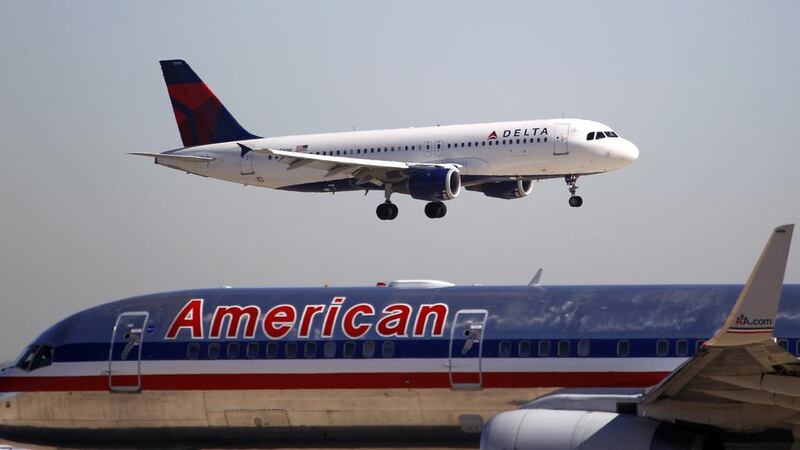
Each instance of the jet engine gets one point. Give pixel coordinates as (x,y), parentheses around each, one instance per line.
(435,184)
(534,429)
(507,189)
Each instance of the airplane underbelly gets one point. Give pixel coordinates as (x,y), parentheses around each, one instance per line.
(300,414)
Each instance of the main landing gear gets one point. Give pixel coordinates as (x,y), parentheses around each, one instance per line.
(435,210)
(387,210)
(572,183)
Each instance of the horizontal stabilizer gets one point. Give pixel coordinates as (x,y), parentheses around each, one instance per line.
(168,157)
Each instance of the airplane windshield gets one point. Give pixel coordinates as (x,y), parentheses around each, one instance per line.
(34,357)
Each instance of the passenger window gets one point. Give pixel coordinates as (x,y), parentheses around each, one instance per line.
(563,348)
(544,349)
(448,145)
(469,144)
(662,347)
(330,349)
(590,136)
(524,348)
(438,145)
(517,141)
(388,349)
(504,142)
(310,350)
(583,347)
(213,350)
(483,144)
(291,350)
(698,345)
(233,350)
(538,139)
(252,350)
(368,349)
(545,139)
(599,135)
(505,349)
(462,144)
(272,350)
(682,347)
(349,349)
(193,350)
(623,348)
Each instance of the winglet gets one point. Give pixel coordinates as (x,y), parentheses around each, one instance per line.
(752,319)
(537,279)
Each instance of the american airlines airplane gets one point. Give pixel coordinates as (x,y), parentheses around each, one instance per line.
(500,159)
(524,367)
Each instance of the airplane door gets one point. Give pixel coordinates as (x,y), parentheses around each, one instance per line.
(247,163)
(427,148)
(466,348)
(125,352)
(560,139)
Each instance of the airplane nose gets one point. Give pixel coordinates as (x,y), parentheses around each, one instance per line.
(628,151)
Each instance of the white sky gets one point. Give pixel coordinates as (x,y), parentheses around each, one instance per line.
(708,91)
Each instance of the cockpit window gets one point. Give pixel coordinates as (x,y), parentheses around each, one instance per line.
(599,135)
(590,136)
(611,134)
(35,357)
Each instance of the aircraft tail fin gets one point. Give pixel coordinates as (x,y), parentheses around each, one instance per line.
(201,117)
(752,318)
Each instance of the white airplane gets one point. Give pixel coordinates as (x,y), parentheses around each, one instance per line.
(500,159)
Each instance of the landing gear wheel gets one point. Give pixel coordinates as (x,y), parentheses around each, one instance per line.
(386,211)
(572,185)
(435,210)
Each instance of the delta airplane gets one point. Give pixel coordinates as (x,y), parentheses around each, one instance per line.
(500,159)
(421,361)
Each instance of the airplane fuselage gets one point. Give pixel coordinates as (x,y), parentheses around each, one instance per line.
(487,152)
(350,363)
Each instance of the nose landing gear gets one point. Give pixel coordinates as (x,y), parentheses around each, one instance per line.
(575,201)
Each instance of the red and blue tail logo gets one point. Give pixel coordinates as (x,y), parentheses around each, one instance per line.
(201,117)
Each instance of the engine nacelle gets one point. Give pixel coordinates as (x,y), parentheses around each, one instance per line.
(534,429)
(507,189)
(435,184)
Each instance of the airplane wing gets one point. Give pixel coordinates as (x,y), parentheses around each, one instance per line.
(742,379)
(364,170)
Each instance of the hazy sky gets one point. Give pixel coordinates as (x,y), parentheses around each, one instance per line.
(707,90)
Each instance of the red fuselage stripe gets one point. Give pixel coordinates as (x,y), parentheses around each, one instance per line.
(332,381)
